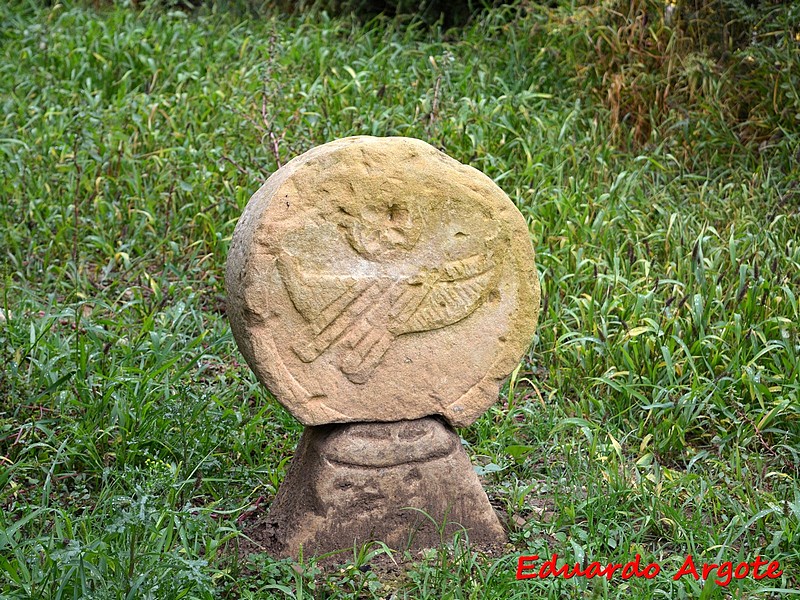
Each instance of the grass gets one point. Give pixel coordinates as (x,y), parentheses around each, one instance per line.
(657,412)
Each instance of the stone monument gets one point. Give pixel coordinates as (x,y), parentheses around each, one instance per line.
(382,291)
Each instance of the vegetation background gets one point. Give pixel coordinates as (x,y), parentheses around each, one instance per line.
(654,149)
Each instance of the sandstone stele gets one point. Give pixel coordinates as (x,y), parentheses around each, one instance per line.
(377,279)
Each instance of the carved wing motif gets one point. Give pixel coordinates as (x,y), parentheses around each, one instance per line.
(453,292)
(362,316)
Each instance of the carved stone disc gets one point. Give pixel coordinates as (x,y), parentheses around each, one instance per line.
(378,279)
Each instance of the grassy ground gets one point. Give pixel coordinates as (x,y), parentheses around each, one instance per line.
(657,412)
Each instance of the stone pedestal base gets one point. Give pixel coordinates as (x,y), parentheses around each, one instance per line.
(354,483)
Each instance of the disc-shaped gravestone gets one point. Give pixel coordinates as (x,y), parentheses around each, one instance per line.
(378,279)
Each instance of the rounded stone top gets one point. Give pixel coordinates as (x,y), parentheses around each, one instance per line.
(378,279)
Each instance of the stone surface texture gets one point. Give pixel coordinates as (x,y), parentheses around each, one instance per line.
(377,279)
(353,483)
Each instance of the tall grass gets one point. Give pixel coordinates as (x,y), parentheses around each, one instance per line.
(656,413)
(664,68)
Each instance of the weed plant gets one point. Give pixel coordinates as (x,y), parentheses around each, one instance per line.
(657,412)
(673,66)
